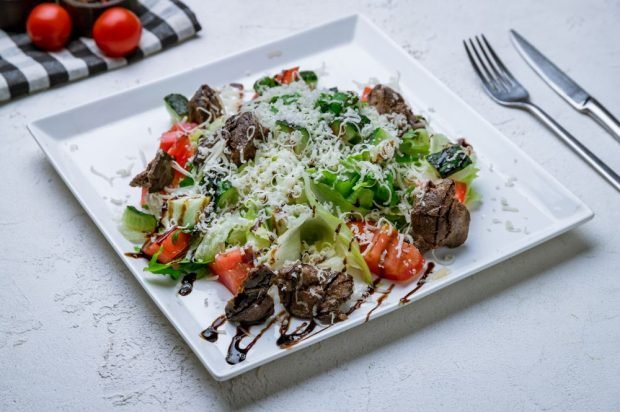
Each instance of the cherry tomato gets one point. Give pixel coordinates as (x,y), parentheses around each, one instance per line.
(49,26)
(117,32)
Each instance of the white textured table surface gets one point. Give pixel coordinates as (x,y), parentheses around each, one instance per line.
(540,332)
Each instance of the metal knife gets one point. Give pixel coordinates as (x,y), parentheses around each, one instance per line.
(565,86)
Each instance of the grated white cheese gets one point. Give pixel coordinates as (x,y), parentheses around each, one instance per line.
(270,187)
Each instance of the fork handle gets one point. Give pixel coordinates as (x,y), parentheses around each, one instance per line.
(602,115)
(596,163)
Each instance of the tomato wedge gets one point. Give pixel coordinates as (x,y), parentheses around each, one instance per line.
(168,139)
(144,196)
(362,232)
(460,191)
(375,255)
(365,93)
(176,143)
(178,130)
(181,150)
(389,255)
(287,76)
(172,245)
(232,268)
(402,264)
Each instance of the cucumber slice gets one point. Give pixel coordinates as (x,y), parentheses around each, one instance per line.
(282,126)
(177,106)
(186,211)
(303,142)
(263,84)
(227,198)
(309,77)
(449,160)
(137,221)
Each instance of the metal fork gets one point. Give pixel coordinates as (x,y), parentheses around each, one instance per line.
(502,86)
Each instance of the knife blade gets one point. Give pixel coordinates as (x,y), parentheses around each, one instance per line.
(563,85)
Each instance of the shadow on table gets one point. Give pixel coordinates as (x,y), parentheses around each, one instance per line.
(291,370)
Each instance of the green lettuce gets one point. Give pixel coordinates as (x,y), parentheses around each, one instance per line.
(322,226)
(177,269)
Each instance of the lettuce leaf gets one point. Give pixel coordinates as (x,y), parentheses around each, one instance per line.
(176,269)
(438,142)
(324,193)
(467,176)
(322,226)
(214,241)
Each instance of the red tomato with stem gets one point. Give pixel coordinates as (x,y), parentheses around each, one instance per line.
(49,26)
(117,32)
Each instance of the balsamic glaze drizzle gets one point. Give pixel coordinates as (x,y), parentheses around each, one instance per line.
(211,334)
(286,340)
(187,284)
(383,297)
(236,353)
(429,269)
(137,255)
(306,329)
(369,291)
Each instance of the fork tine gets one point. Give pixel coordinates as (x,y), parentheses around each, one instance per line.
(492,64)
(498,61)
(494,83)
(474,64)
(486,83)
(484,67)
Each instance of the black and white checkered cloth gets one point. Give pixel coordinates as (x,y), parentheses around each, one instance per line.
(25,69)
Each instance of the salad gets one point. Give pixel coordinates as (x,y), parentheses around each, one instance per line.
(294,193)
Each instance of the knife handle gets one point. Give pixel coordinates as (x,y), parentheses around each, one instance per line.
(596,163)
(601,115)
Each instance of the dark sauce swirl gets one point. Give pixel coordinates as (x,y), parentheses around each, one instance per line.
(429,269)
(383,297)
(211,333)
(187,284)
(286,340)
(236,354)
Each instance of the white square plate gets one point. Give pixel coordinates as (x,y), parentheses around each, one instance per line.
(93,147)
